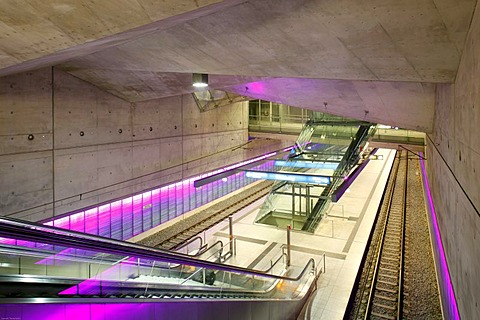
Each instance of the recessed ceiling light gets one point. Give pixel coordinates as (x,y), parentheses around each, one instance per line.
(200,80)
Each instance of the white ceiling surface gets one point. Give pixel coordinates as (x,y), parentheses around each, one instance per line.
(377,56)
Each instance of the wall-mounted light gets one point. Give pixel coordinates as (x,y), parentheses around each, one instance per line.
(200,80)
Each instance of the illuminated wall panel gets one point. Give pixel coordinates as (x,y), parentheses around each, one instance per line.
(125,218)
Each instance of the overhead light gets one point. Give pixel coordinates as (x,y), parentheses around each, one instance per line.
(200,80)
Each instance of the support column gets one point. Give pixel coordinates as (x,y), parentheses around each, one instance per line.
(230,230)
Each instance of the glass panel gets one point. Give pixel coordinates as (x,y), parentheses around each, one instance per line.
(164,204)
(156,208)
(137,215)
(91,221)
(127,218)
(77,222)
(171,202)
(103,274)
(147,210)
(179,198)
(116,220)
(104,221)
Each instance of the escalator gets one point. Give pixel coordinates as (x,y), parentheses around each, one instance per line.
(63,267)
(325,152)
(349,160)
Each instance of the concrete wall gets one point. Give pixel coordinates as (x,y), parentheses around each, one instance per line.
(453,153)
(89,146)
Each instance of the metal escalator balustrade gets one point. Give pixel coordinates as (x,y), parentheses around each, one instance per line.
(349,160)
(120,269)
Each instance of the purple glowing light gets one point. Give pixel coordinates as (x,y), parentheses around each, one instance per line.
(117,272)
(125,218)
(57,259)
(256,87)
(95,311)
(444,271)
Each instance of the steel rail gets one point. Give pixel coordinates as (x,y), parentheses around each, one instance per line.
(374,243)
(382,238)
(213,219)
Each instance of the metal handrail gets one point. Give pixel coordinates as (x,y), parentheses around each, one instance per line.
(157,286)
(219,242)
(276,261)
(215,253)
(17,229)
(185,244)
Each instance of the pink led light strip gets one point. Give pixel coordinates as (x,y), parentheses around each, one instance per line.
(94,220)
(444,272)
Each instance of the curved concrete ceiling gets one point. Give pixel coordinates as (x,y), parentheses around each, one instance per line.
(377,56)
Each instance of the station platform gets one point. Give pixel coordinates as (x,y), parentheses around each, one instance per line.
(341,236)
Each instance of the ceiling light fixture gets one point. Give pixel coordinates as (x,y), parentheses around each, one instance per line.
(200,80)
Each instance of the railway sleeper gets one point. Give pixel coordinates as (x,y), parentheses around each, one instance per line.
(392,246)
(390,256)
(386,290)
(182,237)
(384,306)
(383,269)
(395,258)
(387,286)
(395,228)
(385,298)
(390,249)
(383,264)
(388,275)
(394,284)
(383,316)
(391,241)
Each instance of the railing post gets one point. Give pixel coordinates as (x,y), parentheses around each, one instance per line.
(289,228)
(324,266)
(230,230)
(138,266)
(293,204)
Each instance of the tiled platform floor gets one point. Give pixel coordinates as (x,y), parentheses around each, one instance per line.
(341,235)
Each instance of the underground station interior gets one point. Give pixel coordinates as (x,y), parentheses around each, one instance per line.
(239,159)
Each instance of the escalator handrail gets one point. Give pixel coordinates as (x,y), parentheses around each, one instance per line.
(30,231)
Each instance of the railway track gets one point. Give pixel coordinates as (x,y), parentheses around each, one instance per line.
(398,279)
(386,292)
(380,289)
(223,211)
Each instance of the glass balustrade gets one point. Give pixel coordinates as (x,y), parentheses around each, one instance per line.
(99,267)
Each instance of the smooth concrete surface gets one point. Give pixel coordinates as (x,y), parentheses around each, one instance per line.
(38,34)
(378,61)
(89,146)
(374,101)
(342,235)
(453,163)
(359,57)
(392,41)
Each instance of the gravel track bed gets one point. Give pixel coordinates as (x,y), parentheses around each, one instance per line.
(185,224)
(361,294)
(421,299)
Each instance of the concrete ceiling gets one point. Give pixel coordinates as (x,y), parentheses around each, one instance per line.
(394,103)
(377,56)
